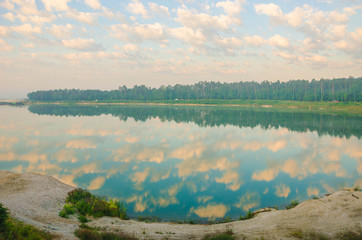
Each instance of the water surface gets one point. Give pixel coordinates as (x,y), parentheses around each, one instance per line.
(180,163)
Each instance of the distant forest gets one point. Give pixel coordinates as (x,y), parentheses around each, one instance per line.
(340,89)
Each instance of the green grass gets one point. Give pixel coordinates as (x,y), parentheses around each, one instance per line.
(11,228)
(292,204)
(84,204)
(83,219)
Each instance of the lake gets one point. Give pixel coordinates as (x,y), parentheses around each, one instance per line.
(186,162)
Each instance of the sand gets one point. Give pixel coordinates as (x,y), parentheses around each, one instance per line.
(37,200)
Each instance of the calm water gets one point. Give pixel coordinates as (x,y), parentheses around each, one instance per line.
(182,163)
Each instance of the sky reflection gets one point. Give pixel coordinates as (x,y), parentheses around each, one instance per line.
(179,170)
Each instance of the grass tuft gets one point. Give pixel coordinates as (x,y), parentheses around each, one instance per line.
(249,215)
(292,204)
(227,235)
(91,234)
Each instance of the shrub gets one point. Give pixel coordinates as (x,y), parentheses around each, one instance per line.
(82,219)
(69,209)
(86,204)
(78,194)
(63,214)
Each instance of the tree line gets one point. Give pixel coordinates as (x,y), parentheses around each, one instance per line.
(338,89)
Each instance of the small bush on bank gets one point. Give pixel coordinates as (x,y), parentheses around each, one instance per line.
(86,204)
(83,219)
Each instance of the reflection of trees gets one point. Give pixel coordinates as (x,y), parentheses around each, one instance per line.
(334,125)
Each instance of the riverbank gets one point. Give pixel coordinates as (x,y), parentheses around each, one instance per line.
(37,200)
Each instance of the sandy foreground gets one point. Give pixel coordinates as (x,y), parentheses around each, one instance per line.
(37,200)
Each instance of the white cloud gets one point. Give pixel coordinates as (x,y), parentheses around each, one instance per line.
(7,4)
(271,10)
(159,9)
(27,45)
(84,17)
(131,48)
(61,31)
(338,31)
(279,41)
(316,58)
(27,7)
(205,21)
(311,21)
(139,32)
(9,16)
(189,35)
(284,55)
(255,40)
(58,5)
(136,7)
(4,30)
(296,17)
(82,44)
(231,7)
(26,29)
(95,4)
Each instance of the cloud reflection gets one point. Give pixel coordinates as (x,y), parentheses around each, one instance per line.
(96,183)
(248,201)
(211,211)
(80,144)
(282,190)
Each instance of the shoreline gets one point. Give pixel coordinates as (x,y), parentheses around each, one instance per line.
(37,199)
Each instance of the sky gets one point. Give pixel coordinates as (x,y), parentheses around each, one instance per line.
(104,44)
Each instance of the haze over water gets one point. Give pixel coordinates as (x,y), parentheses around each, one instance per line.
(181,163)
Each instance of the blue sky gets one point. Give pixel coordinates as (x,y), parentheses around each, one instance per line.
(102,44)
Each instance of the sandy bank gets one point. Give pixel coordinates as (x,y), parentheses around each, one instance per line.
(37,199)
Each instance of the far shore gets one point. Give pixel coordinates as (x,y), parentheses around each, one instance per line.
(37,199)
